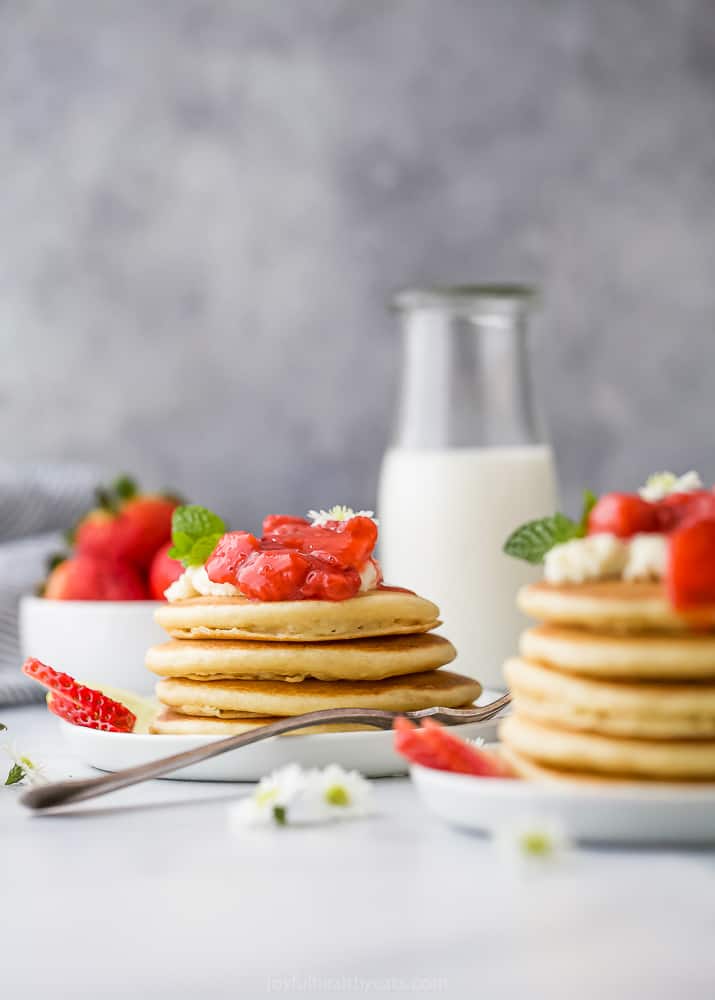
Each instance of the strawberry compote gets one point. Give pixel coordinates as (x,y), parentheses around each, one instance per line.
(295,560)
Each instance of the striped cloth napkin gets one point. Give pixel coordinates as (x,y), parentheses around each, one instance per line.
(38,502)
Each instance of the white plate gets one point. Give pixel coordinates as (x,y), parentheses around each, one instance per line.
(632,813)
(368,752)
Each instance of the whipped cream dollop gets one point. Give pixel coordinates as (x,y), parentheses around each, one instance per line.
(590,558)
(647,557)
(195,582)
(604,556)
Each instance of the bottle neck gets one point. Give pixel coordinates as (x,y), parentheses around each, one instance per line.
(466,381)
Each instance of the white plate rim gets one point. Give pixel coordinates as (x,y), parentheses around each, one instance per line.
(516,788)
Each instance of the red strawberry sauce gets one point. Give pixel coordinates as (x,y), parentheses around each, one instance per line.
(295,560)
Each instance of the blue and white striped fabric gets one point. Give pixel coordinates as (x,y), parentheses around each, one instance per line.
(37,503)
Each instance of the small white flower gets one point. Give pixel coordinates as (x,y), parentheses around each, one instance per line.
(33,770)
(338,513)
(297,796)
(342,794)
(662,484)
(535,839)
(271,799)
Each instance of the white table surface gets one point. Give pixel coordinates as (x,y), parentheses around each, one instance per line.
(149,893)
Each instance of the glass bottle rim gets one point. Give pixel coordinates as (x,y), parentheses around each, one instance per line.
(471,301)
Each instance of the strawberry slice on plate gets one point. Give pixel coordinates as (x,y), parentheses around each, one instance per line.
(77,703)
(434,746)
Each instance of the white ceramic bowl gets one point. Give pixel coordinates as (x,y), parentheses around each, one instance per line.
(99,642)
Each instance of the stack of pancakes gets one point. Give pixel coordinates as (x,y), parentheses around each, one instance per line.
(613,685)
(233,664)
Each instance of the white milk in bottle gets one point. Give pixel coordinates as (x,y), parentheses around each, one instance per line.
(468,465)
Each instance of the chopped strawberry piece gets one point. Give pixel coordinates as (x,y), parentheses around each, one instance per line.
(681,508)
(273,522)
(410,743)
(624,515)
(434,746)
(690,573)
(96,708)
(350,542)
(325,583)
(274,576)
(230,554)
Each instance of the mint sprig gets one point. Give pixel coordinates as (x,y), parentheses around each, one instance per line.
(195,532)
(589,502)
(531,541)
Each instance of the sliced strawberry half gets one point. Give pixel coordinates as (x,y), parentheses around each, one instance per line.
(434,746)
(86,706)
(690,571)
(65,708)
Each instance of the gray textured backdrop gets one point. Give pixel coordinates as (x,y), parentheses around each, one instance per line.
(204,205)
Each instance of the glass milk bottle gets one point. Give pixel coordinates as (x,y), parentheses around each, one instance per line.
(468,464)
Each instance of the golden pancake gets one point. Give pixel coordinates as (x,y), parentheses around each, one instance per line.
(531,770)
(617,708)
(350,659)
(611,605)
(376,612)
(566,750)
(674,656)
(241,698)
(168,722)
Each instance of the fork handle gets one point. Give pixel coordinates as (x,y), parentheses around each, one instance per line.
(61,793)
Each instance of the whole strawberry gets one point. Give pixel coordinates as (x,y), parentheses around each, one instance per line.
(126,524)
(149,520)
(105,534)
(87,577)
(164,570)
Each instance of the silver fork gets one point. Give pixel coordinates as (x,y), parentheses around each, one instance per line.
(60,793)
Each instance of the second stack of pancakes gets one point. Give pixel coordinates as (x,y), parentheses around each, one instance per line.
(612,685)
(232,664)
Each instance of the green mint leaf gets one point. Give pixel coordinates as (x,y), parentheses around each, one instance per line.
(2,727)
(196,522)
(15,774)
(534,539)
(201,550)
(589,502)
(182,543)
(279,815)
(194,533)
